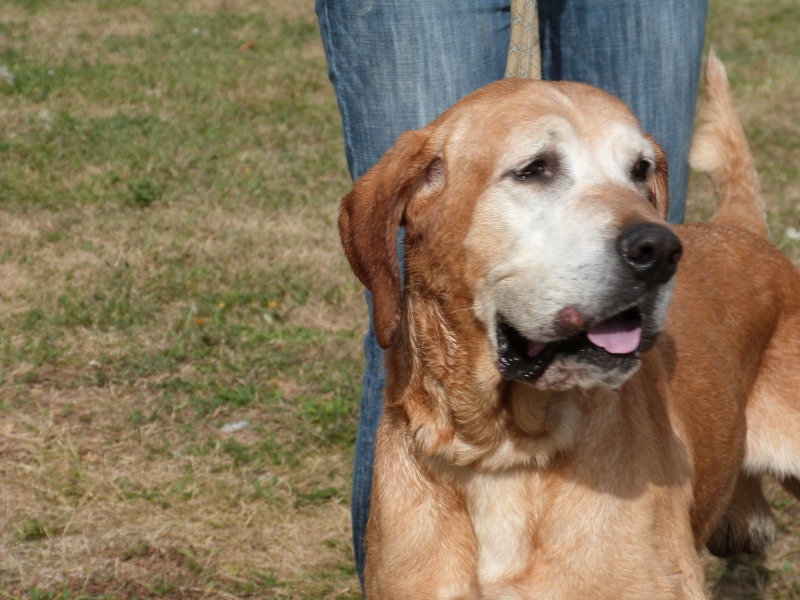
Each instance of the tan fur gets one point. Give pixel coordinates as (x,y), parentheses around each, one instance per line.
(582,483)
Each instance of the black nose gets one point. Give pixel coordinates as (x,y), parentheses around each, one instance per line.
(652,251)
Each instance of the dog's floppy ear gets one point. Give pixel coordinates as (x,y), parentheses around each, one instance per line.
(370,216)
(659,182)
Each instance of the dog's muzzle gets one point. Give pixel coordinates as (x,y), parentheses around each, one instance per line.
(649,255)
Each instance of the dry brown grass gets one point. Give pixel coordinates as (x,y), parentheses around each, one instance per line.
(67,452)
(86,480)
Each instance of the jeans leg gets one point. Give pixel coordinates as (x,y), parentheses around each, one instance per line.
(370,409)
(647,52)
(396,65)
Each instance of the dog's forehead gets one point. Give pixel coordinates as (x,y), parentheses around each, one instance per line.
(494,119)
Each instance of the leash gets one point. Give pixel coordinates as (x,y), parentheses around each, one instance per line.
(524,53)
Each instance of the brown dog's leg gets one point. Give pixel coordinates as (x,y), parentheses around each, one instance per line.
(748,525)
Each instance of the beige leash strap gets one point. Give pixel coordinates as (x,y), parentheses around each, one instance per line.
(524,54)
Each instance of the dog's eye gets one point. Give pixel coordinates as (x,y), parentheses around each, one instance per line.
(641,170)
(541,168)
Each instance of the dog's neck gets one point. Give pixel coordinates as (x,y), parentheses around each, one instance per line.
(460,412)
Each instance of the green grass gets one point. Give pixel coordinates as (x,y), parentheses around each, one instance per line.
(123,143)
(169,175)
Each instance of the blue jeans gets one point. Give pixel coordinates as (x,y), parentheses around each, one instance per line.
(397,64)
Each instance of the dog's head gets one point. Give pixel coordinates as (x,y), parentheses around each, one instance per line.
(537,208)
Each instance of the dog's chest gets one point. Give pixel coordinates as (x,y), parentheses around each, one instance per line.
(501,511)
(535,534)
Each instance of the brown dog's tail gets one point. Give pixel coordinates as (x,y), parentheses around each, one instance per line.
(719,149)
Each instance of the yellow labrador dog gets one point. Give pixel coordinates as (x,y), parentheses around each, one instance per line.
(579,396)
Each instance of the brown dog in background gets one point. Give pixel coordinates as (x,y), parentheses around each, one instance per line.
(565,417)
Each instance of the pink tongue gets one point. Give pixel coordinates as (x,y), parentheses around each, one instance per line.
(617,335)
(535,348)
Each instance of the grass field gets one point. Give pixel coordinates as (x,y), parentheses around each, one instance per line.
(179,332)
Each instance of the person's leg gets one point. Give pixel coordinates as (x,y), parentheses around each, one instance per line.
(395,65)
(647,52)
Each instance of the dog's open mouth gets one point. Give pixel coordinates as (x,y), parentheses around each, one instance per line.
(608,344)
